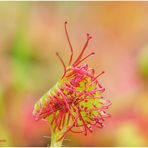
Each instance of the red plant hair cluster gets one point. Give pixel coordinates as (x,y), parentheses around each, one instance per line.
(76,101)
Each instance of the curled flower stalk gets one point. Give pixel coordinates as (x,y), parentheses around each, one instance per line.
(75,103)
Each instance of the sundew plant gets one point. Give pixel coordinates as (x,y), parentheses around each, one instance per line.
(75,103)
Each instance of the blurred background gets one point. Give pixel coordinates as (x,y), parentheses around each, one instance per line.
(30,35)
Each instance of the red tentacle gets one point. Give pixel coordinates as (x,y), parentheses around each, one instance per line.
(83,49)
(92,53)
(71,49)
(62,63)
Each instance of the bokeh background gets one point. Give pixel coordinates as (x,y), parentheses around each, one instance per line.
(30,35)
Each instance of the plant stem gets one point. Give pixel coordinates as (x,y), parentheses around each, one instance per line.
(54,139)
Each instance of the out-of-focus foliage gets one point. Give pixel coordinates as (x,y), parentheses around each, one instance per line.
(31,33)
(143,62)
